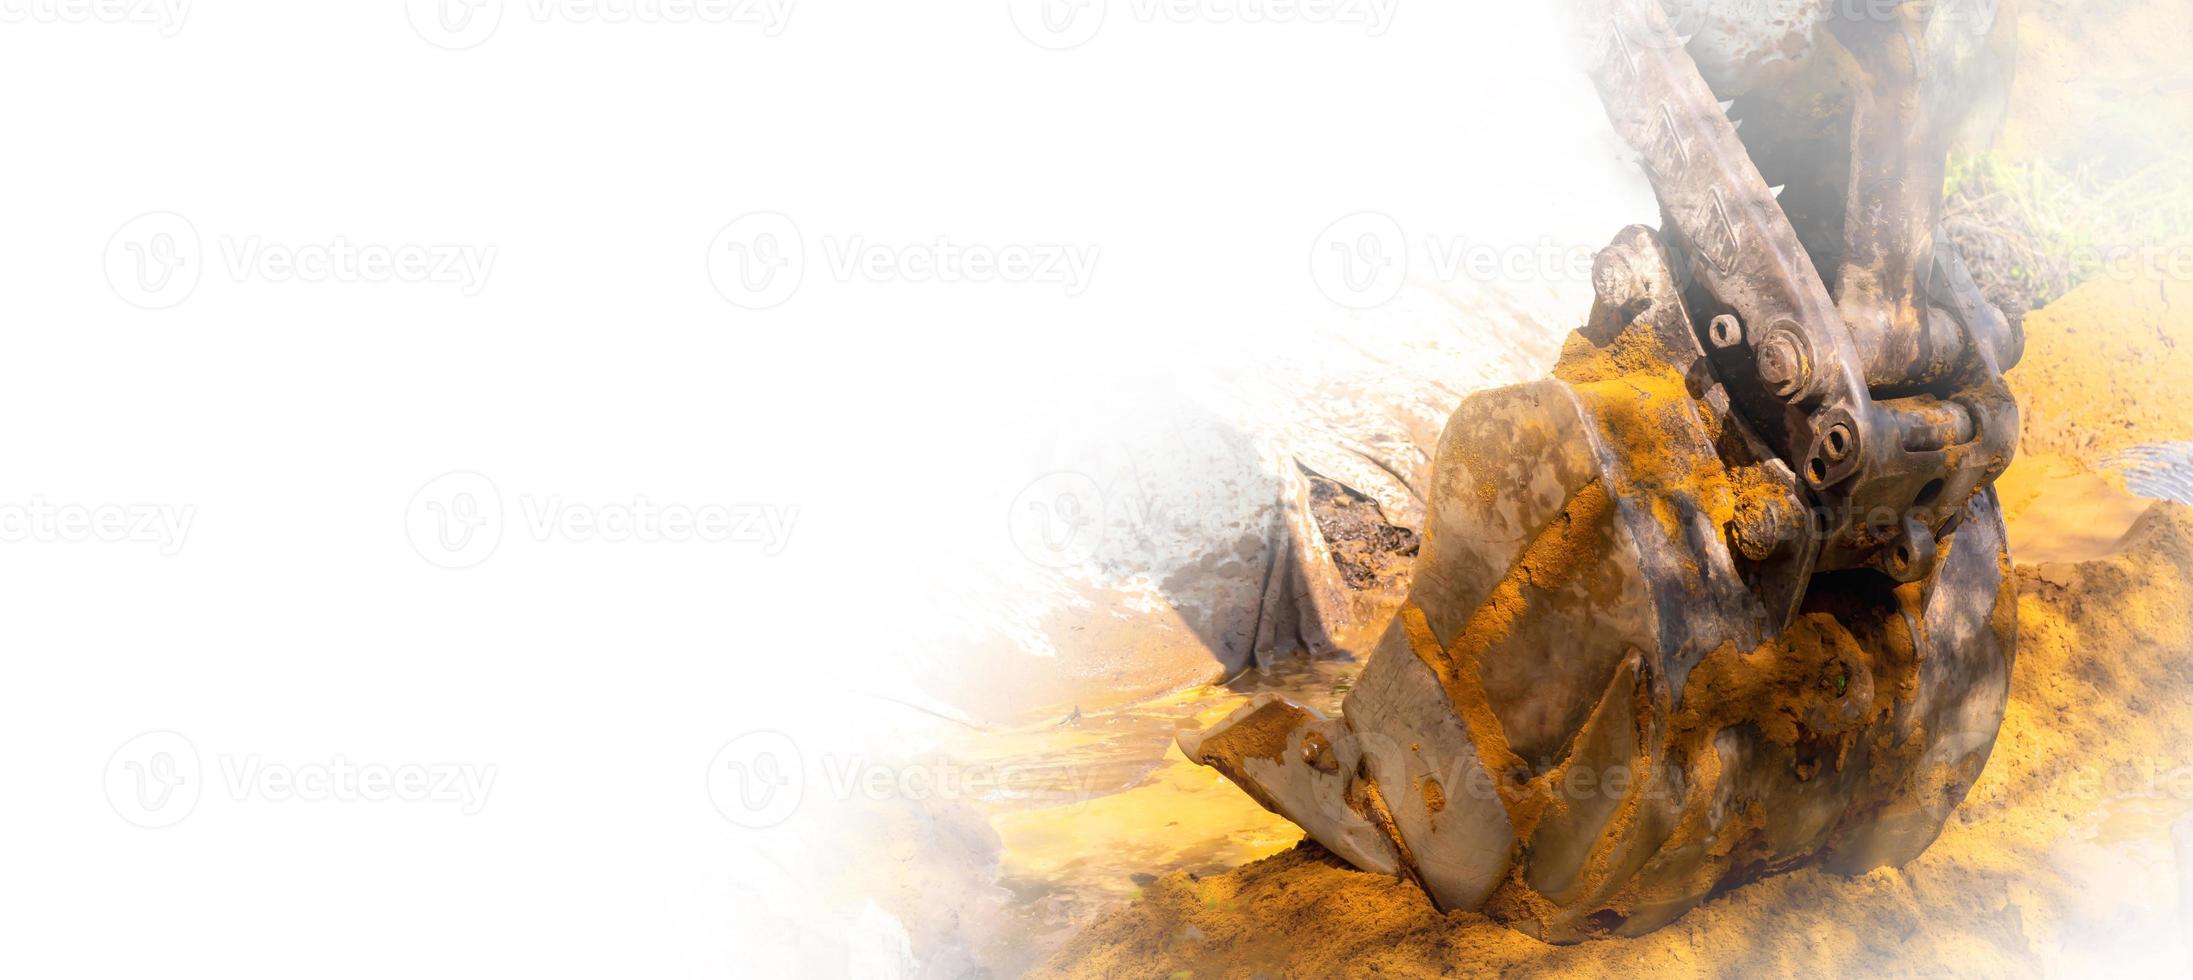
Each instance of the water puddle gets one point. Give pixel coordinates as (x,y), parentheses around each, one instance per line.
(2158,471)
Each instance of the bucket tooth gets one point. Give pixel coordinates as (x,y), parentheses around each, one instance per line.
(1303,766)
(1423,757)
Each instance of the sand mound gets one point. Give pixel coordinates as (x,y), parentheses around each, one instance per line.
(2059,859)
(2107,367)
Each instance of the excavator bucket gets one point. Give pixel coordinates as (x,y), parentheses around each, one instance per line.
(1600,702)
(1726,594)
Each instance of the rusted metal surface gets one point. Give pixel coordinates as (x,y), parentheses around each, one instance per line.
(1819,374)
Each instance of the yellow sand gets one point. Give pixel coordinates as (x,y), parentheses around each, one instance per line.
(2107,367)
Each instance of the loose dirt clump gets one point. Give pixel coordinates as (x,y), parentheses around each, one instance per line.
(1369,551)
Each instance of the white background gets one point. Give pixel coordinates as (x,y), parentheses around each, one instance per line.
(598,363)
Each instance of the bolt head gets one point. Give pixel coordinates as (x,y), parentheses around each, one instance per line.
(1782,366)
(1758,534)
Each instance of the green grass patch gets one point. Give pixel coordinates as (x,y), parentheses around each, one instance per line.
(2030,231)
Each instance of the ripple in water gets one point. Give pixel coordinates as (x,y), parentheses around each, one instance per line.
(2159,471)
